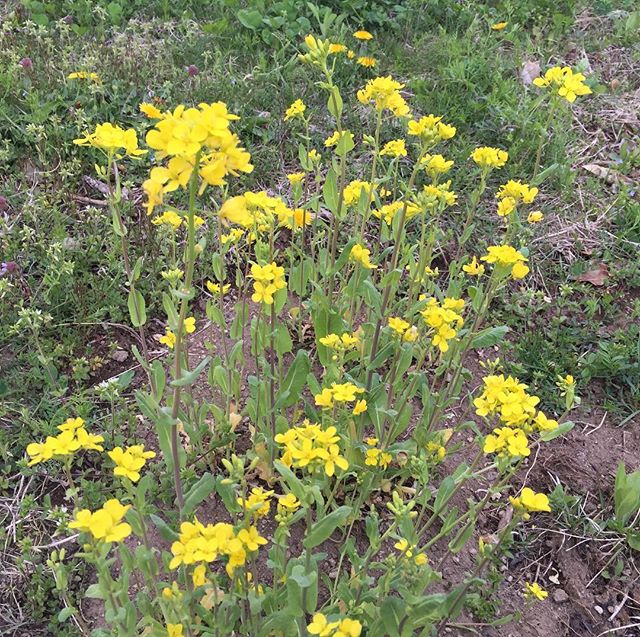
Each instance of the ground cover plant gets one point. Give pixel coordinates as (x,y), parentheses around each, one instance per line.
(281,356)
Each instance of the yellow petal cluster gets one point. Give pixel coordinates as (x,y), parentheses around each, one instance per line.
(445,319)
(564,82)
(106,523)
(111,138)
(312,448)
(362,255)
(488,157)
(267,280)
(72,437)
(509,258)
(383,93)
(199,543)
(129,461)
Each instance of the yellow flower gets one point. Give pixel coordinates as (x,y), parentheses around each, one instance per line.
(84,75)
(321,627)
(314,156)
(335,137)
(487,157)
(350,54)
(435,165)
(296,110)
(324,399)
(543,423)
(363,35)
(268,280)
(430,129)
(384,93)
(517,191)
(474,268)
(360,407)
(394,148)
(535,590)
(509,258)
(214,288)
(498,26)
(129,461)
(506,206)
(199,575)
(190,325)
(366,61)
(104,524)
(174,630)
(150,111)
(257,504)
(535,217)
(71,424)
(530,501)
(337,48)
(289,502)
(296,178)
(111,138)
(169,339)
(362,256)
(169,218)
(564,82)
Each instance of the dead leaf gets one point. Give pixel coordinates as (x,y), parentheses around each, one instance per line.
(607,174)
(529,72)
(595,277)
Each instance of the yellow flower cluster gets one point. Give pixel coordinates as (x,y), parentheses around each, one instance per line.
(256,210)
(312,448)
(199,543)
(362,255)
(535,590)
(322,627)
(488,157)
(367,61)
(473,268)
(84,75)
(106,523)
(335,137)
(394,148)
(187,135)
(356,189)
(340,343)
(267,280)
(445,319)
(389,211)
(507,398)
(384,93)
(409,552)
(507,257)
(530,501)
(403,329)
(513,193)
(430,129)
(129,461)
(257,503)
(338,393)
(110,138)
(436,197)
(296,110)
(287,505)
(72,437)
(565,82)
(375,456)
(435,165)
(508,442)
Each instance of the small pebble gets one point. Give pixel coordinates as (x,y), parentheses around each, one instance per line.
(560,596)
(598,609)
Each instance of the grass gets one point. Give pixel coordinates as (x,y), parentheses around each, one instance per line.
(451,62)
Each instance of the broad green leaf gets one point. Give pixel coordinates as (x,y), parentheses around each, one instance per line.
(323,528)
(295,379)
(201,490)
(562,429)
(489,336)
(137,308)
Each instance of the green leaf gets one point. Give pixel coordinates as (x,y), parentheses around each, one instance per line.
(562,429)
(489,336)
(201,490)
(166,532)
(94,592)
(293,482)
(458,542)
(330,191)
(249,18)
(190,377)
(393,612)
(137,308)
(323,528)
(334,103)
(372,296)
(294,380)
(65,613)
